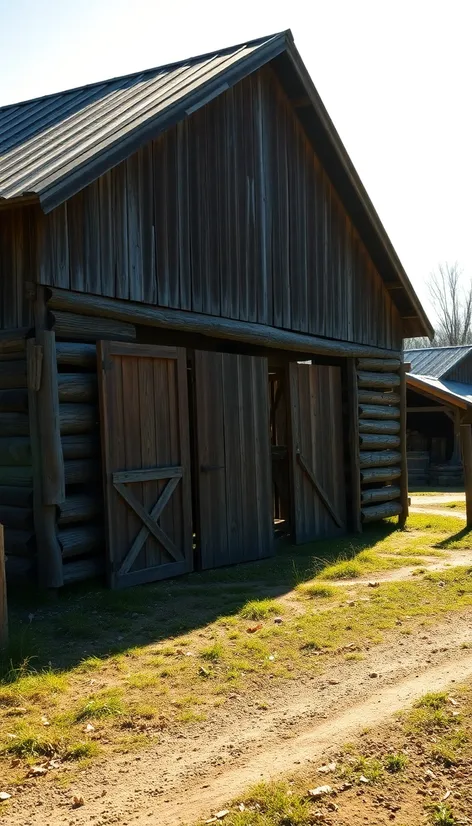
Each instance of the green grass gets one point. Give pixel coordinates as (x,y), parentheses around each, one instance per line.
(443,815)
(106,705)
(260,609)
(317,591)
(395,763)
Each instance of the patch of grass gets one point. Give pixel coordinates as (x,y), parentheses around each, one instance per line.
(191,716)
(354,656)
(449,749)
(28,742)
(317,591)
(442,815)
(434,700)
(105,705)
(213,652)
(273,804)
(81,751)
(396,762)
(259,609)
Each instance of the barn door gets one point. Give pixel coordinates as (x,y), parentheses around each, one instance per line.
(233,458)
(144,421)
(319,494)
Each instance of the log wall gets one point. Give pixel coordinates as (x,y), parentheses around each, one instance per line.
(231,214)
(380,439)
(16,472)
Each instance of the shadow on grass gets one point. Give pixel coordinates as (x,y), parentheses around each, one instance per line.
(451,541)
(87,620)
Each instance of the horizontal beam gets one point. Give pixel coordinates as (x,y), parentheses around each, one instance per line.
(440,408)
(244,331)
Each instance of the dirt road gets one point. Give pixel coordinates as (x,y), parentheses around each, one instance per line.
(189,775)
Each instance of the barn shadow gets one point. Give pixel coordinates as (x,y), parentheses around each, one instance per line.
(89,621)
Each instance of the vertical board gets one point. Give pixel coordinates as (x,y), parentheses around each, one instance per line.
(234,458)
(146,460)
(319,490)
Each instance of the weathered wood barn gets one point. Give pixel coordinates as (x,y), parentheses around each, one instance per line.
(172,245)
(439,403)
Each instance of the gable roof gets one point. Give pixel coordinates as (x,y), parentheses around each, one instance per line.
(52,147)
(452,392)
(436,362)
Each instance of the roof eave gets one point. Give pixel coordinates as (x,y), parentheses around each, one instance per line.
(416,383)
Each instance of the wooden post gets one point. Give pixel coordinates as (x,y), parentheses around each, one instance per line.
(456,453)
(50,568)
(355,474)
(404,369)
(3,595)
(466,443)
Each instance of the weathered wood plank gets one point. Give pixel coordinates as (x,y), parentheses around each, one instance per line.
(80,541)
(76,354)
(77,418)
(78,508)
(381,511)
(88,328)
(80,446)
(3,594)
(405,503)
(77,387)
(53,484)
(379,365)
(378,411)
(377,397)
(377,380)
(14,517)
(354,428)
(379,474)
(379,458)
(385,494)
(378,426)
(378,441)
(146,475)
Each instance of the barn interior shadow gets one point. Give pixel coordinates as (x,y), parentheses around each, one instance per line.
(88,620)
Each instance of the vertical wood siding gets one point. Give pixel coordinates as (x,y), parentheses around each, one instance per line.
(229,213)
(17,250)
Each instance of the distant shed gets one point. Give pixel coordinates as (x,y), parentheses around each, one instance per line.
(173,244)
(439,401)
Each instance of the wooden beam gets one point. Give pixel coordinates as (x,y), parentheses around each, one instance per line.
(379,365)
(53,483)
(242,331)
(89,328)
(353,414)
(381,511)
(404,500)
(3,595)
(377,380)
(440,408)
(466,443)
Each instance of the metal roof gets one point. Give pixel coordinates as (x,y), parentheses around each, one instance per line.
(54,146)
(436,361)
(454,392)
(46,139)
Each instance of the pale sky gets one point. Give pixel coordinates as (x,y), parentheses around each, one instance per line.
(394,76)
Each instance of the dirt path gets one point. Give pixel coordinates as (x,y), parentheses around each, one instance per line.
(437,498)
(190,774)
(438,511)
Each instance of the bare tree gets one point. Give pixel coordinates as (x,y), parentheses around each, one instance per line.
(452,300)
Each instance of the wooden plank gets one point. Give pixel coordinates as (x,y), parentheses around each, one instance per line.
(377,381)
(378,441)
(77,387)
(378,411)
(379,426)
(319,490)
(404,500)
(381,511)
(372,397)
(384,494)
(3,595)
(380,474)
(76,354)
(77,418)
(379,365)
(147,474)
(354,429)
(466,445)
(379,458)
(89,328)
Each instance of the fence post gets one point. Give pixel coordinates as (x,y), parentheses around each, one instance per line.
(3,595)
(466,444)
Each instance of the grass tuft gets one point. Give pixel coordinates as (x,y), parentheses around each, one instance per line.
(258,609)
(107,705)
(395,763)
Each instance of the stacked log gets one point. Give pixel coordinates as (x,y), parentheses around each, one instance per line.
(16,473)
(379,396)
(80,516)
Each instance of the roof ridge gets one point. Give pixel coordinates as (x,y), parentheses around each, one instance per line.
(163,67)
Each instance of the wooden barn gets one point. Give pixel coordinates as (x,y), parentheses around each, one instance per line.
(202,320)
(439,403)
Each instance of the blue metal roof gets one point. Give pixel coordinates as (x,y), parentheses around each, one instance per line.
(435,361)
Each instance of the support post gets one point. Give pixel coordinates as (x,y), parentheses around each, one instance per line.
(354,458)
(404,501)
(466,443)
(49,555)
(456,453)
(3,595)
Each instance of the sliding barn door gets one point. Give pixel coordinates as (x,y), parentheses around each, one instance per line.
(319,494)
(145,444)
(233,458)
